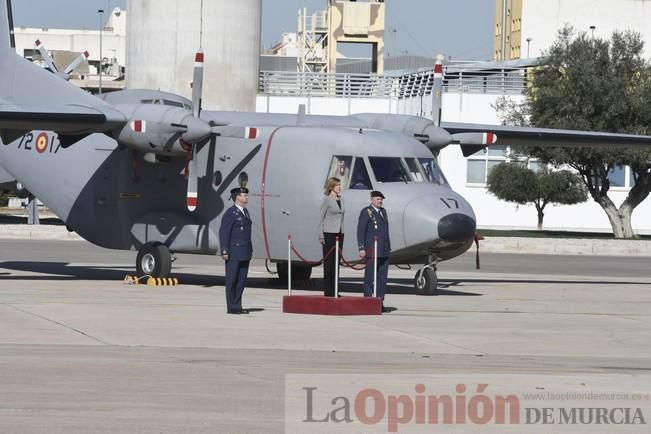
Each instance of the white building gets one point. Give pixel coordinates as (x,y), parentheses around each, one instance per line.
(525,28)
(59,41)
(464,101)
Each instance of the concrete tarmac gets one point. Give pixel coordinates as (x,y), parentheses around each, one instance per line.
(82,352)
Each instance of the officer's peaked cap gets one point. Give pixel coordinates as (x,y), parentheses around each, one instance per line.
(239,190)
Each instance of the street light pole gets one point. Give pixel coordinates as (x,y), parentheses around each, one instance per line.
(101,25)
(528,43)
(592,30)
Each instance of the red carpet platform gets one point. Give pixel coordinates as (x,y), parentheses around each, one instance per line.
(322,305)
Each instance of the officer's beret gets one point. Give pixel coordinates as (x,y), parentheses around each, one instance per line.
(239,190)
(376,193)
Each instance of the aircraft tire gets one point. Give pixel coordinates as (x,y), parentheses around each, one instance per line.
(154,259)
(427,284)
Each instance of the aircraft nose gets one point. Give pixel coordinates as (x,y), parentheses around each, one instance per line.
(457,228)
(429,220)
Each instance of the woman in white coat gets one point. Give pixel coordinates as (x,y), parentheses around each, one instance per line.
(331,226)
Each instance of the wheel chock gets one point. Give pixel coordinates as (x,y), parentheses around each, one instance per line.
(152,281)
(131,280)
(162,281)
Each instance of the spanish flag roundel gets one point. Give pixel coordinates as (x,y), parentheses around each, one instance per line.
(41,143)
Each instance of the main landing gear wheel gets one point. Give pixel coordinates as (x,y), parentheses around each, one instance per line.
(426,283)
(154,259)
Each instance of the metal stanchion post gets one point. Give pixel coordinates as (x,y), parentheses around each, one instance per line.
(337,267)
(375,267)
(289,265)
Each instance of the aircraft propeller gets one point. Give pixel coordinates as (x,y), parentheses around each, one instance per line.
(51,66)
(470,142)
(203,136)
(192,198)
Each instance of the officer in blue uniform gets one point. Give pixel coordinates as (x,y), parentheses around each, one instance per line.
(236,248)
(374,222)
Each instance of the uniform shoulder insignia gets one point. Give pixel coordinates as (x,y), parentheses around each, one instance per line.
(370,212)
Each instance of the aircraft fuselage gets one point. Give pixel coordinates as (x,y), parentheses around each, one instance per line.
(114,198)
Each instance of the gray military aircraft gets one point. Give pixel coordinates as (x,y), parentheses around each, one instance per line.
(149,171)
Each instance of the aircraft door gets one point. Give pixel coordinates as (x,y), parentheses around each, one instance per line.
(293,190)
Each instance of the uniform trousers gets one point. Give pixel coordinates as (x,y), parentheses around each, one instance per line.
(236,272)
(382,276)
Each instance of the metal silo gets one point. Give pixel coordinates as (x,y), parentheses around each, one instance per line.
(163,35)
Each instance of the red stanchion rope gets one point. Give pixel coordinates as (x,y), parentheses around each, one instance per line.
(311,263)
(342,260)
(353,265)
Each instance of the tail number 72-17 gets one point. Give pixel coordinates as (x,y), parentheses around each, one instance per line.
(42,143)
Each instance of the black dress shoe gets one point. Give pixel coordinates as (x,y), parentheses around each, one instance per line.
(385,309)
(238,312)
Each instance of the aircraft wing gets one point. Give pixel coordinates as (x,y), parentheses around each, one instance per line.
(525,136)
(68,119)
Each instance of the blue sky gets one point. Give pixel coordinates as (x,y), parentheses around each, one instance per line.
(459,28)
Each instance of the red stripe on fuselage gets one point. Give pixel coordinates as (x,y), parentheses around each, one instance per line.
(263,190)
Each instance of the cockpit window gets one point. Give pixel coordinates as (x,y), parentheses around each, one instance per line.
(166,102)
(389,169)
(360,179)
(433,173)
(340,168)
(172,103)
(415,170)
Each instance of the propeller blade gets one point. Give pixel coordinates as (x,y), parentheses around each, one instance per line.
(437,91)
(45,56)
(192,198)
(76,63)
(197,84)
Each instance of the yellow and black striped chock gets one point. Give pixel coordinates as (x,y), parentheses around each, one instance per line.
(162,281)
(131,280)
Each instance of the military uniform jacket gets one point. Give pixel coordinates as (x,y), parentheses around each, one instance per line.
(235,235)
(371,224)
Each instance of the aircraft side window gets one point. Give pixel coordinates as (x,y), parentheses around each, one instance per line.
(360,179)
(414,169)
(389,169)
(340,168)
(433,173)
(217,178)
(243,179)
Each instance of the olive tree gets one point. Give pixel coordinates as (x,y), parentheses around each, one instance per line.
(592,84)
(512,182)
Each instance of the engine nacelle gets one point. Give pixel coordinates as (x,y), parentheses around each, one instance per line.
(160,129)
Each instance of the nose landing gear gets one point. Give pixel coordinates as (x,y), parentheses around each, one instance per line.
(426,281)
